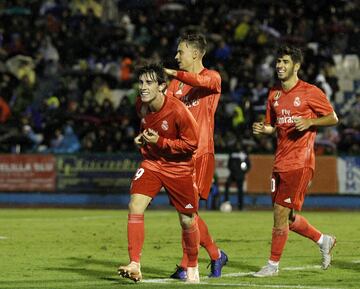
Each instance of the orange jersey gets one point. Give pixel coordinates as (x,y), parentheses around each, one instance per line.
(178,137)
(201,94)
(295,149)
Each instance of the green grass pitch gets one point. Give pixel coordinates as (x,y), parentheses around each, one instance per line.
(66,248)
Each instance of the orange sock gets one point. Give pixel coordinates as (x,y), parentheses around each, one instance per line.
(279,238)
(206,241)
(136,236)
(191,239)
(185,259)
(303,228)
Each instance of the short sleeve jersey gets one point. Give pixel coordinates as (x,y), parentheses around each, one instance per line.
(295,149)
(178,137)
(201,94)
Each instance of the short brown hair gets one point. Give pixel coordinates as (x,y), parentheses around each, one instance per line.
(196,40)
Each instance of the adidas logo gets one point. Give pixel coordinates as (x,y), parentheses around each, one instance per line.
(189,206)
(288,200)
(179,92)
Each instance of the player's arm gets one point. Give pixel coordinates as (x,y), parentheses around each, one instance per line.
(171,89)
(321,106)
(302,124)
(266,127)
(185,144)
(211,81)
(262,128)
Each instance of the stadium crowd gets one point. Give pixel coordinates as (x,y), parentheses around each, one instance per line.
(67,67)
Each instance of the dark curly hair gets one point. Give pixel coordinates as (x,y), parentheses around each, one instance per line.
(294,52)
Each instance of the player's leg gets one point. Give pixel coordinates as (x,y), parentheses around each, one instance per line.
(184,197)
(281,186)
(144,187)
(205,166)
(280,233)
(191,237)
(300,224)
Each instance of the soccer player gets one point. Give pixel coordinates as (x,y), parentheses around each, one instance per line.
(168,141)
(294,109)
(199,88)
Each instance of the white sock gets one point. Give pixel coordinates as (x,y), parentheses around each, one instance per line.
(273,263)
(321,240)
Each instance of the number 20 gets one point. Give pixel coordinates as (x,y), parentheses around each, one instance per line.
(139,173)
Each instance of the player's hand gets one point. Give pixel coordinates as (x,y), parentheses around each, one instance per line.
(150,136)
(139,140)
(302,124)
(258,128)
(170,72)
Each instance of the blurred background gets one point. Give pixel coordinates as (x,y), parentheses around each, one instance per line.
(67,92)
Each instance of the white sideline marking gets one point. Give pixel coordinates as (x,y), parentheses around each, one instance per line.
(167,281)
(301,268)
(72,218)
(3,238)
(244,284)
(356,261)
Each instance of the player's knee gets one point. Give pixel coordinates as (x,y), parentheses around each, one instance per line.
(186,221)
(138,205)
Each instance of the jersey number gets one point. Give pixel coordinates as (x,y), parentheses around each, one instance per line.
(273,185)
(139,173)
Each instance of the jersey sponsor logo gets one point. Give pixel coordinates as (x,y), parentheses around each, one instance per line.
(288,200)
(189,206)
(297,101)
(285,117)
(165,125)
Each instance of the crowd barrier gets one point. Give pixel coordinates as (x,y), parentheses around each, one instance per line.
(111,173)
(333,174)
(103,180)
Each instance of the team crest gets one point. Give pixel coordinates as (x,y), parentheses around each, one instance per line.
(297,101)
(143,121)
(276,103)
(277,95)
(165,125)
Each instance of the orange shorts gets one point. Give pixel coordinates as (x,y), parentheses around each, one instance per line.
(288,189)
(205,168)
(182,190)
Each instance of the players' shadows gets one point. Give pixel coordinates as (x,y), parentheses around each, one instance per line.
(346,265)
(79,265)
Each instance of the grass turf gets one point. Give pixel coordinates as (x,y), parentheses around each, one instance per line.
(65,248)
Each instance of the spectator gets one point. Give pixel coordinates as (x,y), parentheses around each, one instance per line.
(238,165)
